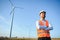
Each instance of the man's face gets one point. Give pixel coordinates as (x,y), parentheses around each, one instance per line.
(42,15)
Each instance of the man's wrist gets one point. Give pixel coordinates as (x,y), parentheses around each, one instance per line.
(42,27)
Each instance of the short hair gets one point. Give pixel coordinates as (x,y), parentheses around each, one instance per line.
(42,12)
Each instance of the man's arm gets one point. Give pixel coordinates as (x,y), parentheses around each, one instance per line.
(40,27)
(49,28)
(37,24)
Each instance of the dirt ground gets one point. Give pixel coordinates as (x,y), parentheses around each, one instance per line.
(25,39)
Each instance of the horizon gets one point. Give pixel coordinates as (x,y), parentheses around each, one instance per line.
(25,19)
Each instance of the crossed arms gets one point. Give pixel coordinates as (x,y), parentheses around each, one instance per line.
(43,27)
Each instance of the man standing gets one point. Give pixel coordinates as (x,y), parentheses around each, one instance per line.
(43,27)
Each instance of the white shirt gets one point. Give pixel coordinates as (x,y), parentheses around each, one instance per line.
(38,26)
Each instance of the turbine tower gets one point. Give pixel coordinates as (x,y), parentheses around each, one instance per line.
(12,12)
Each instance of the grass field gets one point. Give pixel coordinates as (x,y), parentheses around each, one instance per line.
(25,39)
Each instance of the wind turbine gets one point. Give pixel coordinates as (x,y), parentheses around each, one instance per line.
(12,12)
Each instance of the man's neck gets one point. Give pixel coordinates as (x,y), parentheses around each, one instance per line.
(42,19)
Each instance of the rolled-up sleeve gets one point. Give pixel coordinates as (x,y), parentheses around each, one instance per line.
(50,27)
(37,24)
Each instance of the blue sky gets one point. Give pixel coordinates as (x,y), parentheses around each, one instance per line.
(25,19)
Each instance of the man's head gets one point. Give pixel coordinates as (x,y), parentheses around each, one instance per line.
(42,14)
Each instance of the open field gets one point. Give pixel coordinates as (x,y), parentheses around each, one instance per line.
(25,39)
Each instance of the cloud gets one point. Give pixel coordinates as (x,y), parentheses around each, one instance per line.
(4,20)
(4,31)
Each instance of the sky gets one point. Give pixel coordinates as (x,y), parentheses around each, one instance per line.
(25,17)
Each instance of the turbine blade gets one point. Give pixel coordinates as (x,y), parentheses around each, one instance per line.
(19,7)
(11,3)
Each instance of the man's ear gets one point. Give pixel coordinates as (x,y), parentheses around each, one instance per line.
(44,16)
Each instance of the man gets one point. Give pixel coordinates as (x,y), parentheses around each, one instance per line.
(43,27)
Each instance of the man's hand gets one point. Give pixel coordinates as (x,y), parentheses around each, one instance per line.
(42,27)
(49,28)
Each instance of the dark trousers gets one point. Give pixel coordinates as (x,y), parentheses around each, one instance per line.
(44,38)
